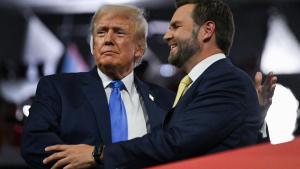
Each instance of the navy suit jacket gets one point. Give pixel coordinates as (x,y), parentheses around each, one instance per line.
(73,109)
(218,112)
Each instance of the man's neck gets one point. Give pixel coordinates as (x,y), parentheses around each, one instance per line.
(198,57)
(115,74)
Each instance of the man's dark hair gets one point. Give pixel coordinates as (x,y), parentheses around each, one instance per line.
(218,12)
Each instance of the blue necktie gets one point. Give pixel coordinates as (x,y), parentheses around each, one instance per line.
(118,118)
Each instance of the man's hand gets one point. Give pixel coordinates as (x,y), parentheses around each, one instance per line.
(70,156)
(265,90)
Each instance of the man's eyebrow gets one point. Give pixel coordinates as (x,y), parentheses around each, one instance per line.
(174,23)
(101,27)
(116,27)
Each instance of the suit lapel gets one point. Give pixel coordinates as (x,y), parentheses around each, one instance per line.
(182,103)
(94,91)
(187,97)
(154,112)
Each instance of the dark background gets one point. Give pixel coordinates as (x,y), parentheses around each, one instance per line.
(251,18)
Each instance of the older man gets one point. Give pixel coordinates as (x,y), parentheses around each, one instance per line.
(107,104)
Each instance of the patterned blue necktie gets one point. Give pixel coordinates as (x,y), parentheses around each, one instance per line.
(118,118)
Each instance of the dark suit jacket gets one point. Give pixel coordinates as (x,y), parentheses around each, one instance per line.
(73,109)
(218,112)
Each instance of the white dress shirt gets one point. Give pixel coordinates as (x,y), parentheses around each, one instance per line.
(135,114)
(203,65)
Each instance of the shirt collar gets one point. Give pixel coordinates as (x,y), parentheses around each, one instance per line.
(128,80)
(204,64)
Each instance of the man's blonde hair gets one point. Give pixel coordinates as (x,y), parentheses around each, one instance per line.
(135,14)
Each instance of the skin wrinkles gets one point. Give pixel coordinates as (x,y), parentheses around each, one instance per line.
(115,47)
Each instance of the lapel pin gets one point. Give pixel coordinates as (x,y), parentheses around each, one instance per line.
(151,97)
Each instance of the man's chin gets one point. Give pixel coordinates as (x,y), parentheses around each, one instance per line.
(173,60)
(106,66)
(172,56)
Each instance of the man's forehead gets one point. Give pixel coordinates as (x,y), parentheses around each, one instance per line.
(113,24)
(182,13)
(113,21)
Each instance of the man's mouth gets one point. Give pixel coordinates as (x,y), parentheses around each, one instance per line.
(109,52)
(172,45)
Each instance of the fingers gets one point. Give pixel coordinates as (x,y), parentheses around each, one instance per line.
(265,90)
(54,157)
(59,147)
(69,166)
(258,79)
(70,156)
(270,79)
(272,89)
(58,155)
(61,163)
(270,84)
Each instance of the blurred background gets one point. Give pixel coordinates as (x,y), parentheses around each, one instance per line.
(42,37)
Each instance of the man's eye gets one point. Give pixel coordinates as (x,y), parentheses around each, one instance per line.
(176,26)
(101,32)
(120,32)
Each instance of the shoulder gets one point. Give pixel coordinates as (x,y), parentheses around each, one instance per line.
(64,78)
(225,77)
(225,70)
(62,82)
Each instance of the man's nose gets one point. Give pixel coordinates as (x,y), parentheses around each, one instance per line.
(167,36)
(108,39)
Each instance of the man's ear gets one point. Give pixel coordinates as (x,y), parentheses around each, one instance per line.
(139,52)
(207,30)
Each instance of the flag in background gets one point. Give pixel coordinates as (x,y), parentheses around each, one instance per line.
(73,60)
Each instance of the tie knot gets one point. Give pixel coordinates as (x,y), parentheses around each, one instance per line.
(117,84)
(186,80)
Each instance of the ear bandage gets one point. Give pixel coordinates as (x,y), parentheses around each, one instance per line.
(92,45)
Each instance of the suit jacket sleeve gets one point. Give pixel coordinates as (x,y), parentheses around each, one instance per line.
(203,118)
(42,125)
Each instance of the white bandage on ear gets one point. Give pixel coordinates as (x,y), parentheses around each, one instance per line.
(92,44)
